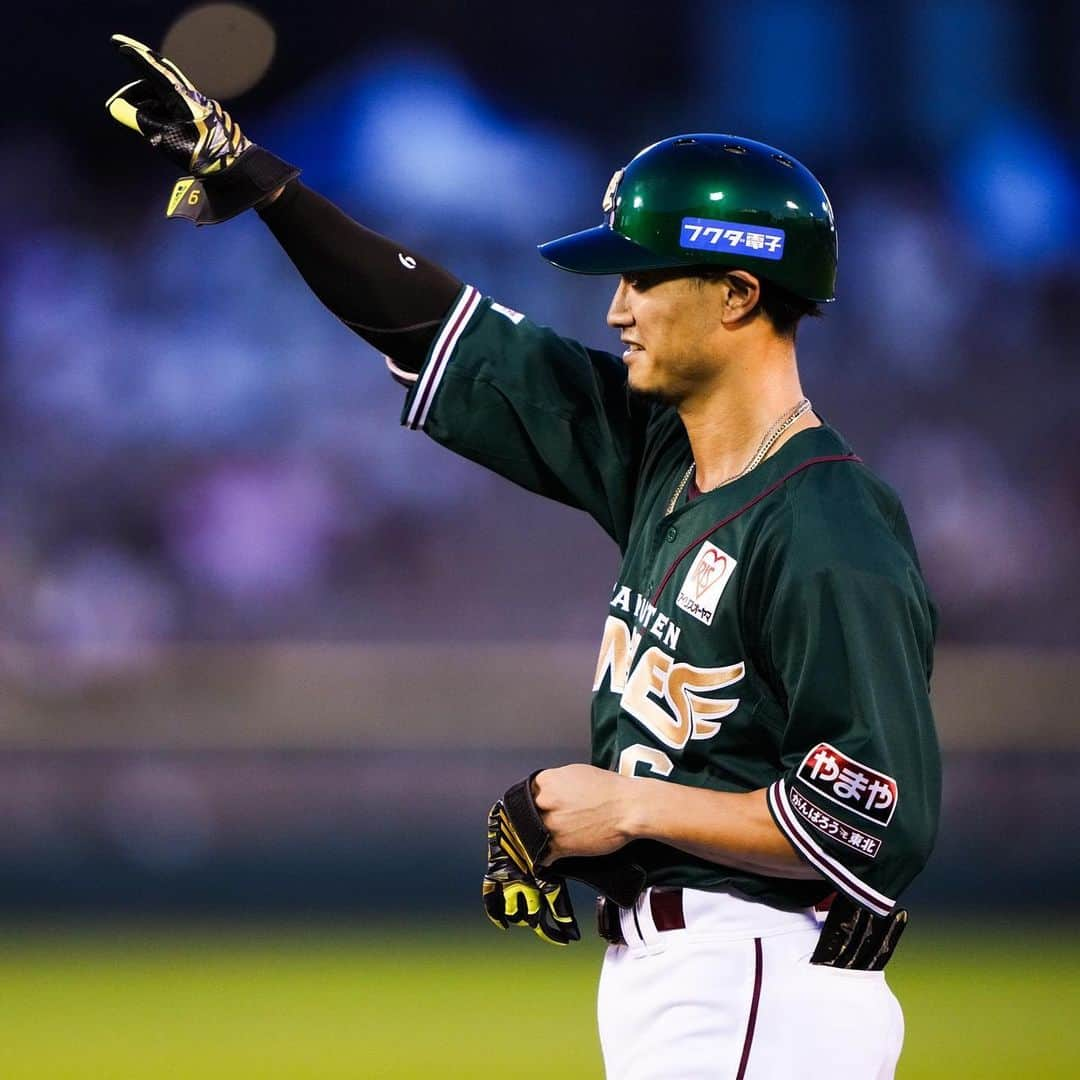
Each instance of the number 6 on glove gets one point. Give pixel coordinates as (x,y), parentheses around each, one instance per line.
(230,173)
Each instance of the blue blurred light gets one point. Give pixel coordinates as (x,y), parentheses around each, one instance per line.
(411,136)
(1015,188)
(961,64)
(782,71)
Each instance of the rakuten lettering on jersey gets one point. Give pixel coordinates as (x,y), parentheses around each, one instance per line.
(849,783)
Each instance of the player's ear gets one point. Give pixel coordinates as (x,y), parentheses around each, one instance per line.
(742,294)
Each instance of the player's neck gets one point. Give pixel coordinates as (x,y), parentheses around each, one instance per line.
(726,424)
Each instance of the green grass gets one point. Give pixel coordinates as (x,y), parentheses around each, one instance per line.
(989,1001)
(129,1004)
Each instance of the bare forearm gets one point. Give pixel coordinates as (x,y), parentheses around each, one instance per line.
(591,811)
(732,828)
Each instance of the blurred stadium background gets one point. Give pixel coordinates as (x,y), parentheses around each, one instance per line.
(265,660)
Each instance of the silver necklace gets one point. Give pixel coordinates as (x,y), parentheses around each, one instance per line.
(767,442)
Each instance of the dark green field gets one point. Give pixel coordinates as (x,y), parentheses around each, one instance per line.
(277,1002)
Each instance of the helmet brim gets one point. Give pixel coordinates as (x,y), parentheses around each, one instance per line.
(602,250)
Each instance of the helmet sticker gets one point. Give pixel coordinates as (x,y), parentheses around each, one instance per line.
(706,234)
(612,189)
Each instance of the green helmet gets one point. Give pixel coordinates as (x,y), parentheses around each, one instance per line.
(711,200)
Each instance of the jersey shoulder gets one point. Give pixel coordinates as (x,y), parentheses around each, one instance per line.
(843,516)
(840,540)
(838,520)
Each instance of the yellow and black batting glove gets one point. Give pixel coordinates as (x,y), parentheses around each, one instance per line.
(513,893)
(229,173)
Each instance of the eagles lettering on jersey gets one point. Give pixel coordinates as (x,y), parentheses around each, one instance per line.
(775,633)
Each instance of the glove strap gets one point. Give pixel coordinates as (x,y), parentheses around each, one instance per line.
(208,200)
(521,810)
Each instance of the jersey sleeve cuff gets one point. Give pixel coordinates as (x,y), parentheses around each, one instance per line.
(782,807)
(424,389)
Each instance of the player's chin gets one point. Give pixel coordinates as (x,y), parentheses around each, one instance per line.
(640,375)
(642,381)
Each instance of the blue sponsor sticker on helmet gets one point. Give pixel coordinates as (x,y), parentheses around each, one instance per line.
(757,241)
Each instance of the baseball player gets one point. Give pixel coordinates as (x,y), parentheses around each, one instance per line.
(763,749)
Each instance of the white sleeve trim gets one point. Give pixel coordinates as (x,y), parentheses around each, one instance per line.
(428,383)
(832,868)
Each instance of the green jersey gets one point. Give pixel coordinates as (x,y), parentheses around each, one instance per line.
(774,633)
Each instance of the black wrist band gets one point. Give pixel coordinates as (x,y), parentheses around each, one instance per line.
(212,199)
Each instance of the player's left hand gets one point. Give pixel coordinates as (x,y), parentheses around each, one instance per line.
(584,809)
(513,893)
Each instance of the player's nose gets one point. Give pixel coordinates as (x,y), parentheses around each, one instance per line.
(618,312)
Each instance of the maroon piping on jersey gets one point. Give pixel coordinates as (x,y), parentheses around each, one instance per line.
(742,510)
(751,1022)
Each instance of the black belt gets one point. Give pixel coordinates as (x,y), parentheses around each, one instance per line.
(851,937)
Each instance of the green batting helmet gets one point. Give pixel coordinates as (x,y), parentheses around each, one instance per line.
(711,200)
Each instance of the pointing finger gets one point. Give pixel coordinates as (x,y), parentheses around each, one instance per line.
(153,63)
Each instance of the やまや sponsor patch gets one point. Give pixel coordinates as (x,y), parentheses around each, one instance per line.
(849,783)
(704,583)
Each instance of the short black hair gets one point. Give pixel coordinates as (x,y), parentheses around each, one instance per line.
(783,308)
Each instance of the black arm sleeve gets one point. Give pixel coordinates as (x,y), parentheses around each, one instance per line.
(394,299)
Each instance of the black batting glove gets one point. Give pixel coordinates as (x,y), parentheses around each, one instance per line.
(229,173)
(515,895)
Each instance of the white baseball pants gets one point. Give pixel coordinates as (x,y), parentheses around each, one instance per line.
(733,996)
